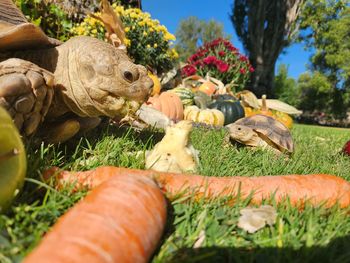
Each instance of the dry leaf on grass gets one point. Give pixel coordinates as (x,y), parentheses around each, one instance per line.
(254,218)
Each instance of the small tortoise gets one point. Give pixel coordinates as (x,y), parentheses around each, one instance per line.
(58,89)
(262,131)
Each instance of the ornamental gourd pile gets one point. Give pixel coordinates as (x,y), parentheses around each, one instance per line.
(215,106)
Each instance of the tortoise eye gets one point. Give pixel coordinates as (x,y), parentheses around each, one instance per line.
(239,128)
(128,76)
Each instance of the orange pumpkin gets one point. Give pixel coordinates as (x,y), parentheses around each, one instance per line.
(207,87)
(168,103)
(277,115)
(284,118)
(248,111)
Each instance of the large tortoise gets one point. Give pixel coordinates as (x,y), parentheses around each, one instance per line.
(57,89)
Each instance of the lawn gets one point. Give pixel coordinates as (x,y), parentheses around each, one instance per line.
(311,235)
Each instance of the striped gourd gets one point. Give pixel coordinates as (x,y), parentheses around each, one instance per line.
(186,95)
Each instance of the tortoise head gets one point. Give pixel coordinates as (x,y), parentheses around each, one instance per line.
(241,133)
(100,80)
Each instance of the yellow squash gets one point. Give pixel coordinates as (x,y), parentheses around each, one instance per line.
(157,86)
(208,116)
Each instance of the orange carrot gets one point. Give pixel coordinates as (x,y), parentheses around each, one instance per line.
(316,188)
(121,220)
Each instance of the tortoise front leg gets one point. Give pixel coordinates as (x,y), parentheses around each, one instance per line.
(58,132)
(26,93)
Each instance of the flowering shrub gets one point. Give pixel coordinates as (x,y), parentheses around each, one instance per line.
(148,42)
(221,60)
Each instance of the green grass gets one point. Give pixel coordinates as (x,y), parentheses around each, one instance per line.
(311,235)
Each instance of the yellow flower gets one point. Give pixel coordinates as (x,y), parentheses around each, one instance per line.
(146,15)
(118,8)
(155,45)
(151,29)
(93,21)
(148,46)
(127,42)
(94,31)
(163,29)
(133,15)
(144,33)
(127,29)
(174,53)
(169,36)
(133,27)
(141,23)
(137,10)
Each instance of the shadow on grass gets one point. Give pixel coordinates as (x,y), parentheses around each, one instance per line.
(109,129)
(336,251)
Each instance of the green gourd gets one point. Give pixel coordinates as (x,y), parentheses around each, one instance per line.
(229,106)
(13,163)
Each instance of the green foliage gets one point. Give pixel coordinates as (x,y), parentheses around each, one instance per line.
(50,17)
(325,28)
(317,93)
(193,32)
(286,88)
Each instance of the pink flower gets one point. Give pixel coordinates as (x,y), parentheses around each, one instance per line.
(242,70)
(222,53)
(209,60)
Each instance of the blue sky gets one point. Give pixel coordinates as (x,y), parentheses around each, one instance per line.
(170,12)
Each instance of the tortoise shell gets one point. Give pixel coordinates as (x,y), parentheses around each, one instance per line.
(270,130)
(16,33)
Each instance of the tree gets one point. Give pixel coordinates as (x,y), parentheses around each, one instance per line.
(193,32)
(286,88)
(265,28)
(325,27)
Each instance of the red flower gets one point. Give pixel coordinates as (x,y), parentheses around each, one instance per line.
(243,58)
(222,53)
(242,70)
(193,58)
(189,70)
(232,48)
(346,148)
(209,60)
(198,63)
(222,66)
(251,69)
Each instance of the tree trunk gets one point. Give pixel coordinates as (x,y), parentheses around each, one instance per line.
(262,79)
(265,28)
